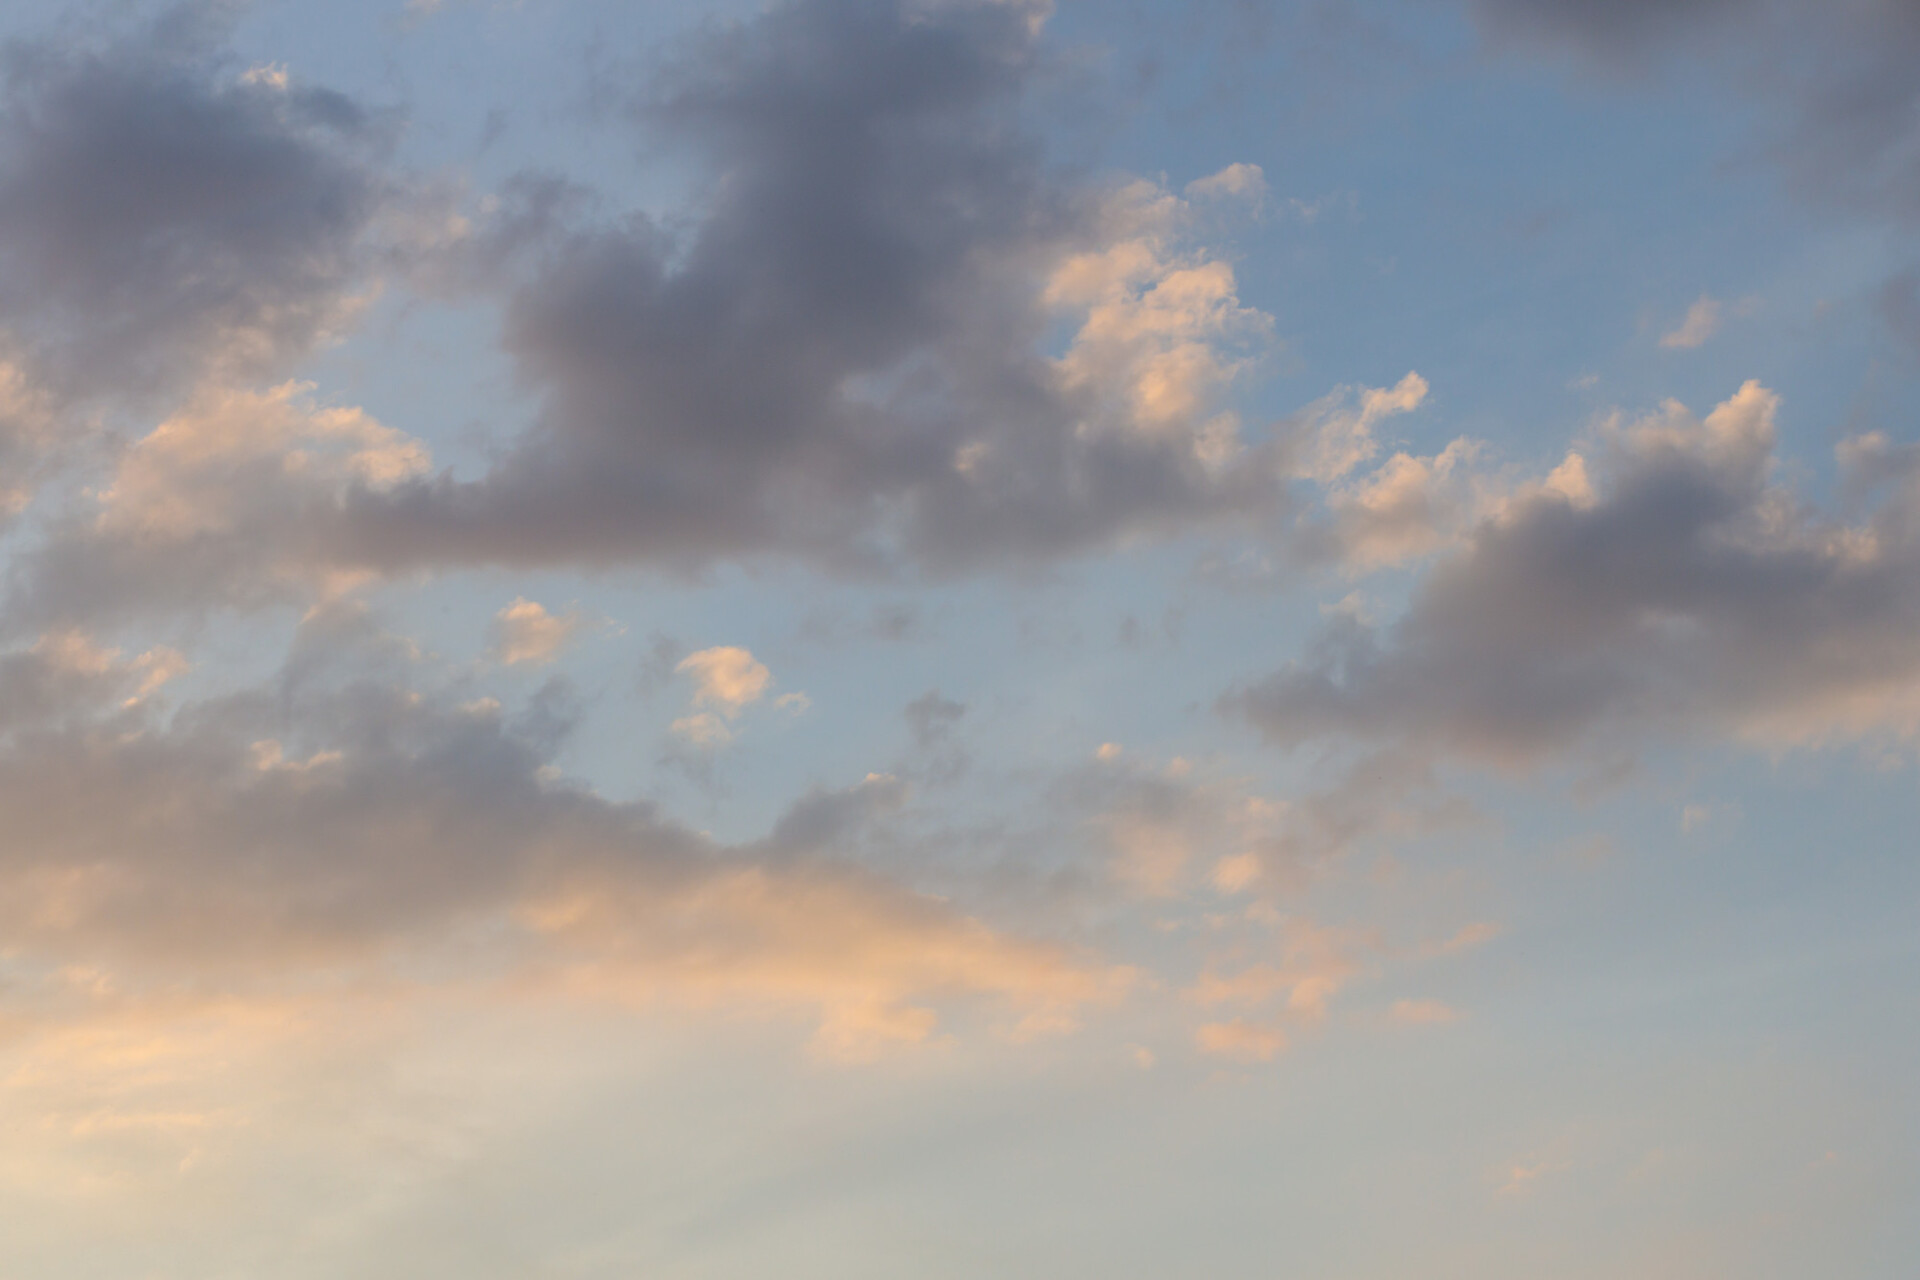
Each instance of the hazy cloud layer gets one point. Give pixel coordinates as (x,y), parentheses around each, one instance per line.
(340,817)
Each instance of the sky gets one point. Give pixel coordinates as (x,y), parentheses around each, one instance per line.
(949,638)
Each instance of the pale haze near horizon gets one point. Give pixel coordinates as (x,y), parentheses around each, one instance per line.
(960,637)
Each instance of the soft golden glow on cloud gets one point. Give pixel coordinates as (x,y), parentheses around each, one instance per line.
(726,677)
(1422,1012)
(1161,324)
(214,466)
(525,632)
(1241,1040)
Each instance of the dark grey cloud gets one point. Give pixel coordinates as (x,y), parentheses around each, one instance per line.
(886,336)
(164,211)
(843,354)
(1680,589)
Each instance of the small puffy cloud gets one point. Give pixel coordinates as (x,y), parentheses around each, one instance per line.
(1701,323)
(726,677)
(1240,1040)
(525,632)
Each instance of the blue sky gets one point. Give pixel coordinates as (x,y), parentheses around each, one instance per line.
(959,637)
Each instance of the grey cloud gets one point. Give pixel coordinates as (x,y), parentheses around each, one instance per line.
(849,354)
(339,817)
(835,819)
(163,212)
(932,717)
(1840,73)
(844,357)
(1900,307)
(1614,28)
(932,721)
(1686,591)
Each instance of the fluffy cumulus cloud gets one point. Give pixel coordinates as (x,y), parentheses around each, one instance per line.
(1662,580)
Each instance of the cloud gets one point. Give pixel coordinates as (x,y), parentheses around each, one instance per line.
(1165,830)
(726,677)
(1833,80)
(1701,323)
(1315,963)
(1520,1179)
(1241,1040)
(67,671)
(1422,1012)
(1337,430)
(885,335)
(30,430)
(1899,304)
(1238,181)
(1669,584)
(162,218)
(327,823)
(931,718)
(525,632)
(234,500)
(1609,28)
(847,350)
(1372,517)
